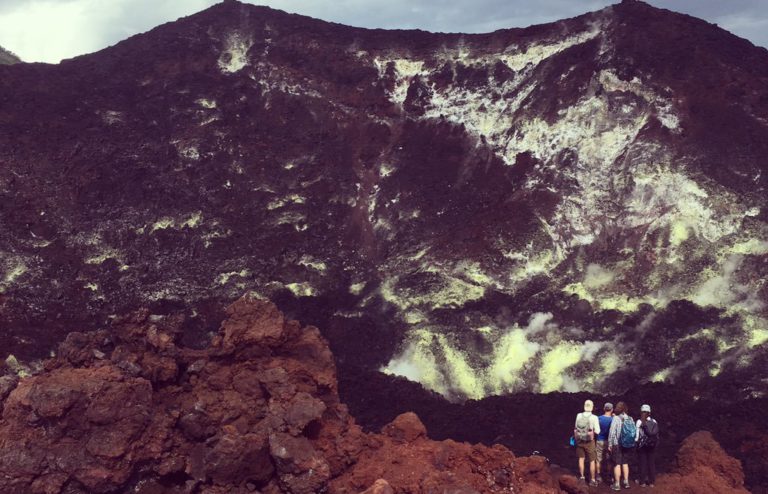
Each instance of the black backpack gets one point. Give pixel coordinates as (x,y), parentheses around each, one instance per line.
(650,437)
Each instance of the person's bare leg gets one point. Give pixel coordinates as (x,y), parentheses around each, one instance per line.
(617,474)
(581,467)
(625,468)
(592,470)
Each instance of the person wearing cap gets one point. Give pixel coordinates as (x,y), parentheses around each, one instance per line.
(586,428)
(601,445)
(647,436)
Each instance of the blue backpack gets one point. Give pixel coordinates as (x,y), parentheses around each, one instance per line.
(628,433)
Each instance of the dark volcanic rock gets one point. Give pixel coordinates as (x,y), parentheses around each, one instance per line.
(433,201)
(577,206)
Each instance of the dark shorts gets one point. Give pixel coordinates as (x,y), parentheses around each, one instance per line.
(620,456)
(586,449)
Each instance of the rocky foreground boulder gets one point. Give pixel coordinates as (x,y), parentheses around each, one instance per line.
(130,410)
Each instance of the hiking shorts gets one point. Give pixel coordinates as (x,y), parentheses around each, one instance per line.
(586,449)
(620,456)
(601,450)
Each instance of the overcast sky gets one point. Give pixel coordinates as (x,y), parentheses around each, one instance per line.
(50,30)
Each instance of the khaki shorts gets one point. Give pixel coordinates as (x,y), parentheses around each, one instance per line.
(601,450)
(586,450)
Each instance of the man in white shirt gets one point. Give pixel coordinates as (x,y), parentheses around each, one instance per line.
(585,430)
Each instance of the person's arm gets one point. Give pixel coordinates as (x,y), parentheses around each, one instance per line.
(638,425)
(613,434)
(596,422)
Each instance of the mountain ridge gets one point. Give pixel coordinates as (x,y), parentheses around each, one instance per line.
(341,86)
(7,57)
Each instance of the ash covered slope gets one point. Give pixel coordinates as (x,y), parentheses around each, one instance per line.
(7,57)
(480,213)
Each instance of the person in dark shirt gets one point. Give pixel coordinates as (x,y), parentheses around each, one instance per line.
(647,439)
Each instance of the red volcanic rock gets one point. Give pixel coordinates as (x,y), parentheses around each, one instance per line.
(700,450)
(130,410)
(406,427)
(114,405)
(703,467)
(247,325)
(430,466)
(571,485)
(534,471)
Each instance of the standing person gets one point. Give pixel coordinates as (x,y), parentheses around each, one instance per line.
(601,445)
(647,439)
(584,431)
(621,441)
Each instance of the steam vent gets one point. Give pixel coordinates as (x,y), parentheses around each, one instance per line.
(252,251)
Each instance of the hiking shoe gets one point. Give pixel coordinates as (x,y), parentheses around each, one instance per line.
(626,485)
(615,487)
(599,479)
(582,480)
(594,483)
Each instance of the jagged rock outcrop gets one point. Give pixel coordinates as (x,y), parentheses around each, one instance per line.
(702,468)
(114,407)
(129,409)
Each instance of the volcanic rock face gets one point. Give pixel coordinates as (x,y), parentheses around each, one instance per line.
(565,207)
(568,207)
(111,402)
(128,410)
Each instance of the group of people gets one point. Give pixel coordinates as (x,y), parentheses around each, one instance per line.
(611,439)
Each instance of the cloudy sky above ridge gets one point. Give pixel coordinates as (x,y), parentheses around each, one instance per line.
(50,30)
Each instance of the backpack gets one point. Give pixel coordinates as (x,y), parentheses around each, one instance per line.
(628,433)
(650,437)
(583,432)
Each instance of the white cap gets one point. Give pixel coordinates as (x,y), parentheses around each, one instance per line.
(645,408)
(588,406)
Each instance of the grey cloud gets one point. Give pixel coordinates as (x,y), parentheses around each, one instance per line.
(51,29)
(475,16)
